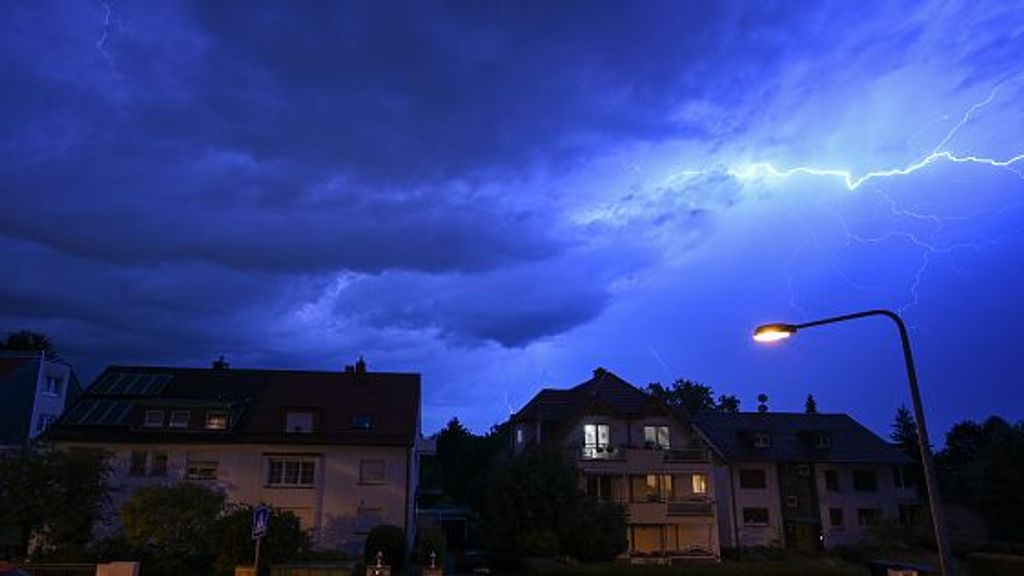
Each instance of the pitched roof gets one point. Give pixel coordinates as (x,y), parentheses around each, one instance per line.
(793,438)
(256,403)
(604,389)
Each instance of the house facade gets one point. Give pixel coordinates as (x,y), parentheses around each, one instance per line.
(35,389)
(633,450)
(804,481)
(337,449)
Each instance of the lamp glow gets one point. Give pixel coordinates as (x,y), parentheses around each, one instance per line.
(773,332)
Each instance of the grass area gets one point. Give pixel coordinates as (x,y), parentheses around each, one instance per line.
(793,566)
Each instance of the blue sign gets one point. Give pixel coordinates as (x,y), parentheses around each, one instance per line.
(260,520)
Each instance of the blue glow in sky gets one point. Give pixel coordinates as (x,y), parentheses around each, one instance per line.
(503,196)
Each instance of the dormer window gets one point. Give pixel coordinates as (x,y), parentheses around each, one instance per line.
(762,440)
(153,419)
(179,419)
(217,420)
(298,422)
(656,437)
(823,441)
(362,422)
(53,385)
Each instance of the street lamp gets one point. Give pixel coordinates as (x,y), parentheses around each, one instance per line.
(779,331)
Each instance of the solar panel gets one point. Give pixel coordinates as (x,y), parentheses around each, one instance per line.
(156,384)
(86,415)
(108,381)
(126,385)
(115,415)
(97,416)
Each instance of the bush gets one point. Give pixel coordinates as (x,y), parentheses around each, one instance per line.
(285,541)
(995,564)
(389,540)
(430,540)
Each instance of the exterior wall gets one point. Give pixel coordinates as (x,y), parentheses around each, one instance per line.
(770,534)
(330,509)
(887,500)
(45,404)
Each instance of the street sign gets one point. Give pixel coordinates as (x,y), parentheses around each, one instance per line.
(260,520)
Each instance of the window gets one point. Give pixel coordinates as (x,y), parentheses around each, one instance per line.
(762,440)
(868,516)
(755,516)
(835,517)
(832,480)
(52,385)
(823,441)
(217,420)
(599,488)
(865,481)
(179,419)
(298,422)
(909,514)
(371,471)
(753,479)
(596,440)
(43,422)
(652,488)
(362,422)
(153,419)
(700,483)
(158,464)
(201,466)
(137,464)
(792,502)
(519,435)
(656,437)
(803,470)
(293,472)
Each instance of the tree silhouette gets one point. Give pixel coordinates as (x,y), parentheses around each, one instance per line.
(904,432)
(811,405)
(28,341)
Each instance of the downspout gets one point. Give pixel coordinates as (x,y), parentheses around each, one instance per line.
(735,521)
(408,487)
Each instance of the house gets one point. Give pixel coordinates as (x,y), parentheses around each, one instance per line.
(804,481)
(35,389)
(632,449)
(338,449)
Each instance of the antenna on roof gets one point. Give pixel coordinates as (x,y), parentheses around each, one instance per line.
(220,363)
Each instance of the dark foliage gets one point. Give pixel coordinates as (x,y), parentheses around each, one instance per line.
(810,405)
(693,396)
(388,540)
(459,469)
(285,540)
(28,341)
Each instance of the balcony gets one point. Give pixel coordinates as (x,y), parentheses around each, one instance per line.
(691,508)
(637,457)
(660,512)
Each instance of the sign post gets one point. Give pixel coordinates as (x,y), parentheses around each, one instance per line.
(260,521)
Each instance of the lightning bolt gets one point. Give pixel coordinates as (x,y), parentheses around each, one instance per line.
(107,27)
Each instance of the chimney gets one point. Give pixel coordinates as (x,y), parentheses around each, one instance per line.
(598,372)
(220,363)
(360,365)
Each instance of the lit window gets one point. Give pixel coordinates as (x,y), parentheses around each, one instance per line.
(519,435)
(362,422)
(179,419)
(52,385)
(371,471)
(216,420)
(298,422)
(153,419)
(596,440)
(652,488)
(290,472)
(755,516)
(656,437)
(700,483)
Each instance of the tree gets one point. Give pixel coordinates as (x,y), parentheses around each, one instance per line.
(389,541)
(174,525)
(54,495)
(730,403)
(535,508)
(284,541)
(461,459)
(982,469)
(810,405)
(28,341)
(903,431)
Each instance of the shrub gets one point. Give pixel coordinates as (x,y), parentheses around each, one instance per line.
(389,540)
(285,541)
(430,540)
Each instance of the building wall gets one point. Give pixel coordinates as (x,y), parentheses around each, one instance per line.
(886,500)
(769,534)
(338,509)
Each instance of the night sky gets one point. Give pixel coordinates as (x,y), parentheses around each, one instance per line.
(504,196)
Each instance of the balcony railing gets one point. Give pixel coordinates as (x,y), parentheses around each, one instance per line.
(690,508)
(646,453)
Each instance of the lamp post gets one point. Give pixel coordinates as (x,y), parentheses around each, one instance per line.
(776,332)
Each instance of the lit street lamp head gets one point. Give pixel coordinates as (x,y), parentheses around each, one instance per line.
(774,332)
